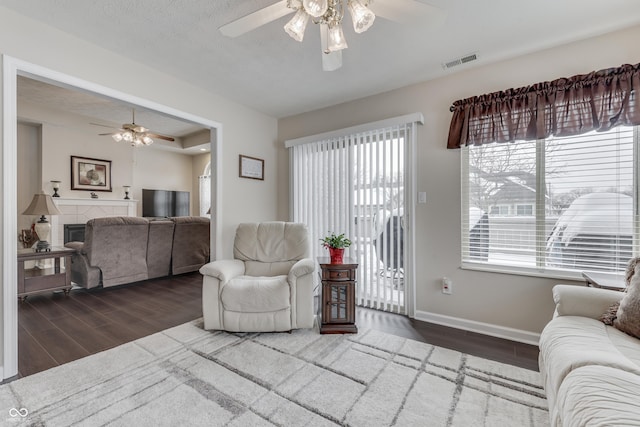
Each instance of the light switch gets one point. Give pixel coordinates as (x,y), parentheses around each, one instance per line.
(422,197)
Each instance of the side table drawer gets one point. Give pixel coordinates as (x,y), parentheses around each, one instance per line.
(338,275)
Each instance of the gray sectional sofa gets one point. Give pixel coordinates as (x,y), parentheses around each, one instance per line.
(120,250)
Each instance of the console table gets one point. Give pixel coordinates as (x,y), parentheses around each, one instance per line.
(337,303)
(37,280)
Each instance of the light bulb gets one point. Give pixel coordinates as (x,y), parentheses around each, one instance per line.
(116,137)
(336,39)
(315,8)
(127,136)
(295,28)
(147,140)
(361,15)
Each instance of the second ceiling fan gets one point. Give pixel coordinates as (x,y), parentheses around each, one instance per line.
(328,14)
(134,134)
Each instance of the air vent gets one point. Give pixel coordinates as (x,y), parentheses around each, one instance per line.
(460,61)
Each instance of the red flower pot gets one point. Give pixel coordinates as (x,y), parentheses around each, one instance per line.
(336,254)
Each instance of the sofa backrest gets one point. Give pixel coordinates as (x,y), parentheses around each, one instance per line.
(159,247)
(271,248)
(191,243)
(118,246)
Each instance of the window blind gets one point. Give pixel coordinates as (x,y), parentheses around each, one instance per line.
(358,184)
(562,204)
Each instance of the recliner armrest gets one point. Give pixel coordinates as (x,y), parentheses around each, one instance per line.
(223,270)
(583,301)
(302,267)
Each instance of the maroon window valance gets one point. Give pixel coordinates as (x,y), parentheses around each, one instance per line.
(596,101)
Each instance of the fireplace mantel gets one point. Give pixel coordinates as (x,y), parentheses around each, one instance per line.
(79,211)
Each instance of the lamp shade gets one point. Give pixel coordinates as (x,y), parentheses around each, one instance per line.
(209,211)
(361,15)
(295,28)
(336,38)
(42,204)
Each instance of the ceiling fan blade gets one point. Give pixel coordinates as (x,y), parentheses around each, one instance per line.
(408,11)
(331,61)
(105,134)
(158,136)
(98,124)
(256,19)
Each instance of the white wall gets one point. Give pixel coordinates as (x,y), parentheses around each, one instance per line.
(199,163)
(246,131)
(30,174)
(64,135)
(509,301)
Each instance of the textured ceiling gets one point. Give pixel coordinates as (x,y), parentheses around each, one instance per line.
(267,70)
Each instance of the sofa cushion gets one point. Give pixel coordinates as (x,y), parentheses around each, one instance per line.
(191,245)
(256,294)
(570,342)
(159,248)
(598,396)
(118,246)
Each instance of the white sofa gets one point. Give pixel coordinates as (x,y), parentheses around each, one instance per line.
(267,287)
(590,371)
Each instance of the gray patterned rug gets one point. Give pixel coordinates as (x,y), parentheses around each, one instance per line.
(186,376)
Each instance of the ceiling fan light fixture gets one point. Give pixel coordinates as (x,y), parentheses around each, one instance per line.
(296,26)
(116,137)
(146,140)
(127,136)
(315,8)
(361,15)
(336,38)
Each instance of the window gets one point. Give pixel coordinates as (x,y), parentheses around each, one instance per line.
(573,203)
(524,210)
(499,210)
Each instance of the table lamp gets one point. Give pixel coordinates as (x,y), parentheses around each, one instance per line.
(126,191)
(42,204)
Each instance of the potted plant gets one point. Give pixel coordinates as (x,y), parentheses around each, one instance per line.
(336,245)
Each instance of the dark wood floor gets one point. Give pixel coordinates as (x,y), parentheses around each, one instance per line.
(54,329)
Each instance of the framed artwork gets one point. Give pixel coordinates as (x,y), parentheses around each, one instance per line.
(251,167)
(90,174)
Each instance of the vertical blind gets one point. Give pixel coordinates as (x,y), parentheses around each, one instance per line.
(357,184)
(564,204)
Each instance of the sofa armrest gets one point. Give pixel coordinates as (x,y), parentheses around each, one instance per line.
(223,270)
(301,268)
(583,301)
(78,246)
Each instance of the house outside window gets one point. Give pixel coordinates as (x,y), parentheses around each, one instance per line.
(524,210)
(556,207)
(499,210)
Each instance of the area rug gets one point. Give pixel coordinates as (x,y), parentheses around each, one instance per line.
(186,376)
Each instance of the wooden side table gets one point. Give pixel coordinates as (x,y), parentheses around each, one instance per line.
(36,280)
(337,303)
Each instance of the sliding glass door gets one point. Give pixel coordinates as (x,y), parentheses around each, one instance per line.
(358,184)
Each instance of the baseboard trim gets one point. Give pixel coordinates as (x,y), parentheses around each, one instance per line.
(479,327)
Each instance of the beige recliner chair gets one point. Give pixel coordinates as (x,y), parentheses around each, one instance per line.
(267,287)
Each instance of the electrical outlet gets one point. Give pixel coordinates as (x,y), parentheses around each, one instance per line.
(446,286)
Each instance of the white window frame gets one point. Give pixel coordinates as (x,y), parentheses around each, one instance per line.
(539,212)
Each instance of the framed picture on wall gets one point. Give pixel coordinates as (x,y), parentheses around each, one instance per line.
(251,167)
(90,174)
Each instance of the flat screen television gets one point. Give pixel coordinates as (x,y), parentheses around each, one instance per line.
(164,203)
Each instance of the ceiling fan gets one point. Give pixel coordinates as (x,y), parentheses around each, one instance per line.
(133,133)
(328,15)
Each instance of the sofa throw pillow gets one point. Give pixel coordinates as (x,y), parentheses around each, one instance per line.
(628,315)
(611,314)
